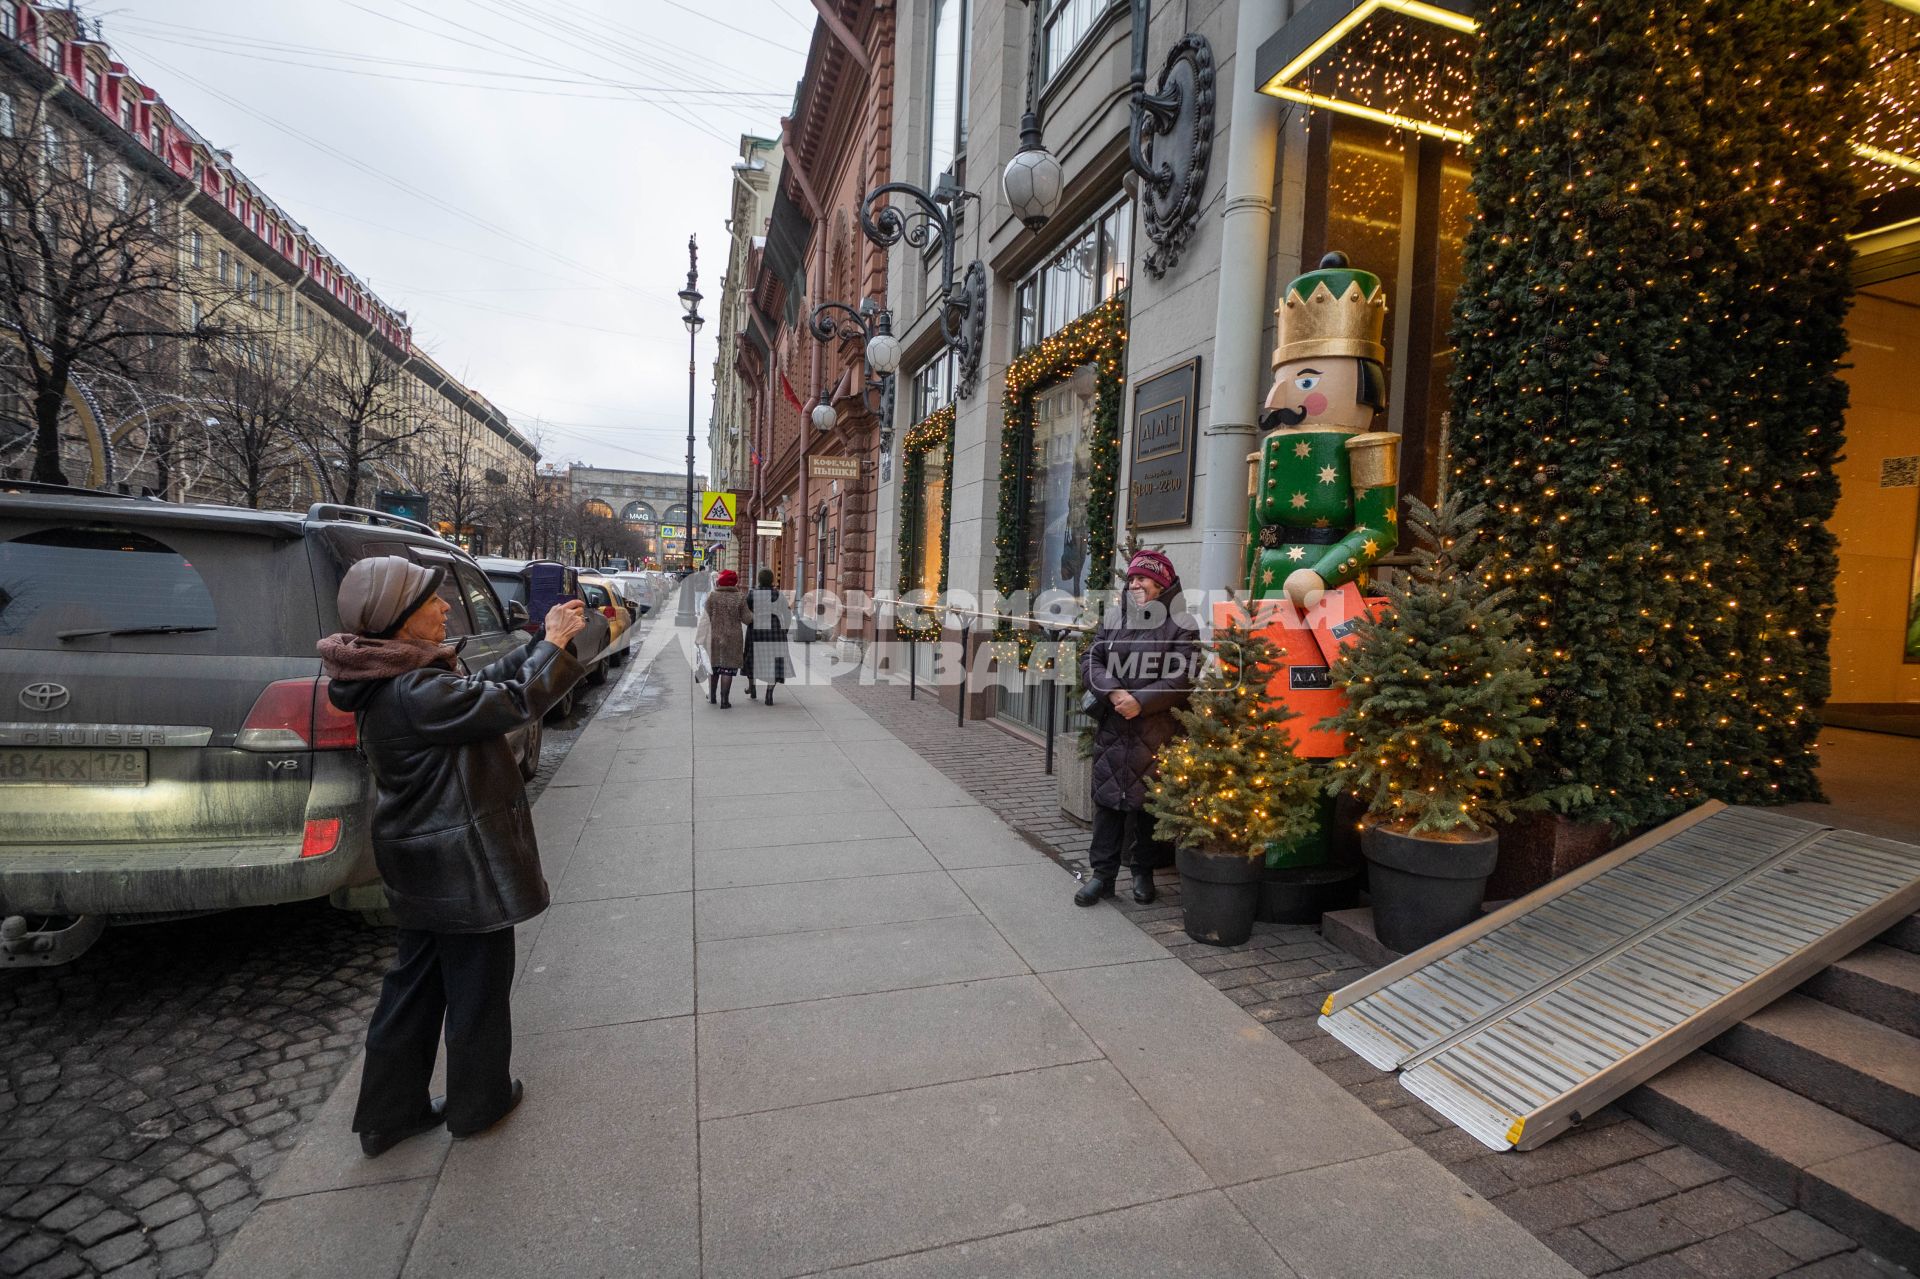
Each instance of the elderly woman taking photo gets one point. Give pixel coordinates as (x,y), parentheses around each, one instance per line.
(452,836)
(1137,669)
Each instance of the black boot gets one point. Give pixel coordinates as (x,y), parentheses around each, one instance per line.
(726,692)
(379,1143)
(713,689)
(1143,890)
(1096,887)
(753,694)
(769,694)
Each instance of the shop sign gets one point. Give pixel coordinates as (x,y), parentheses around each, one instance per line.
(1160,476)
(821,467)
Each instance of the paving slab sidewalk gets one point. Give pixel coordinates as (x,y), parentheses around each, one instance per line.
(866,1033)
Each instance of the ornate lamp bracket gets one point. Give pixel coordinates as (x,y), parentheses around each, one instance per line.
(863,325)
(1170,143)
(924,221)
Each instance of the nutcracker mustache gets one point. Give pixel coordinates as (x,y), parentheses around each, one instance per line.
(1286,415)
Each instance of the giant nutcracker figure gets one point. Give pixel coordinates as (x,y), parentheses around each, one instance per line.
(1325,496)
(1323,509)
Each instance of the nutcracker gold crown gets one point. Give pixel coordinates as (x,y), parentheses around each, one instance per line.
(1335,311)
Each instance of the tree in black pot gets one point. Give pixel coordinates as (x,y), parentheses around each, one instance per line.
(1229,786)
(1443,710)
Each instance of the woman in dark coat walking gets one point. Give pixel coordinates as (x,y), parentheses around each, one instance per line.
(766,635)
(452,836)
(1139,667)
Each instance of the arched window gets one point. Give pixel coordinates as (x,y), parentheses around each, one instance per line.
(676,515)
(597,509)
(637,513)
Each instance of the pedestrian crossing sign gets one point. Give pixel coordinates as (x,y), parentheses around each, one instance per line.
(717,508)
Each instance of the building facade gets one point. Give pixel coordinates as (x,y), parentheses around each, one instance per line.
(816,423)
(729,431)
(260,344)
(1333,125)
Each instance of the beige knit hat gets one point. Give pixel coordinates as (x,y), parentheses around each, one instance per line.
(380,592)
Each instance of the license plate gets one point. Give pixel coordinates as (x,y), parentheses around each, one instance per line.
(73,768)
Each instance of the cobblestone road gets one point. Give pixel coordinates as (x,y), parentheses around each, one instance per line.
(149,1088)
(1614,1197)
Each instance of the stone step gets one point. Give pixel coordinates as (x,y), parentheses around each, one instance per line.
(1848,1064)
(1880,983)
(1904,935)
(1857,1180)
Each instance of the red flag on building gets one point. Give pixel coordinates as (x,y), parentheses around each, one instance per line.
(786,389)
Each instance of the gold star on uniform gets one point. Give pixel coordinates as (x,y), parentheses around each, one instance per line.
(1328,475)
(1299,500)
(1372,547)
(1302,449)
(1323,522)
(1296,554)
(1266,578)
(1393,516)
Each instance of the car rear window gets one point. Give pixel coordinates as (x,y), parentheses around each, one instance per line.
(228,593)
(596,595)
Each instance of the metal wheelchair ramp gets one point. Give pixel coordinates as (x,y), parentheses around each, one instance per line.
(1542,1012)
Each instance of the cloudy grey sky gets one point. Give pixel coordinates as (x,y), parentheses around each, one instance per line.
(520,176)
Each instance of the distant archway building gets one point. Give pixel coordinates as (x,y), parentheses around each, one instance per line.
(645,500)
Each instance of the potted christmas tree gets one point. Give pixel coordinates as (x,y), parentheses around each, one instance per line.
(1442,709)
(1229,786)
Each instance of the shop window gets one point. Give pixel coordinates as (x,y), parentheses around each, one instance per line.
(947,114)
(1087,270)
(1059,479)
(1399,205)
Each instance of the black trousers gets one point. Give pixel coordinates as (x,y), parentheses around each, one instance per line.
(1120,835)
(459,981)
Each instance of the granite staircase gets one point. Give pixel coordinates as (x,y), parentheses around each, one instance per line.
(1815,1099)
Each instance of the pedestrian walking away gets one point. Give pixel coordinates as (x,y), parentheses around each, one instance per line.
(766,635)
(452,837)
(727,641)
(1137,669)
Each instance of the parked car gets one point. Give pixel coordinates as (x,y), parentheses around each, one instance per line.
(638,589)
(168,747)
(537,585)
(604,599)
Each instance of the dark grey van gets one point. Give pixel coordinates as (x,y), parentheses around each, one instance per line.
(167,747)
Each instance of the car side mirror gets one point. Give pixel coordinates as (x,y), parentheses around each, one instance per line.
(516,613)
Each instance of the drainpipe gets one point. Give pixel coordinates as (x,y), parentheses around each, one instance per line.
(1239,358)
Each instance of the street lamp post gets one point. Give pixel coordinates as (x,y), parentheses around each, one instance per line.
(690,301)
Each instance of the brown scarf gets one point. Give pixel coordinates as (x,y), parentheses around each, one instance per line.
(347,656)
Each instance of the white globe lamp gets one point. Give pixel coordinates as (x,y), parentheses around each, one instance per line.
(824,417)
(1033,180)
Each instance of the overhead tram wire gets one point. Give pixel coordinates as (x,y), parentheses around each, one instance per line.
(751,35)
(619,44)
(399,184)
(520,51)
(153,28)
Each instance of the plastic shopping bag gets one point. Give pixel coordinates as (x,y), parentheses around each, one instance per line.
(702,637)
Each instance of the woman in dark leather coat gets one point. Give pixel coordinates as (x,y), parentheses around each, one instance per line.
(452,836)
(1140,665)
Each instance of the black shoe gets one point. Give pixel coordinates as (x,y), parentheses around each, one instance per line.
(379,1143)
(512,1103)
(753,693)
(1143,890)
(725,705)
(1093,890)
(769,695)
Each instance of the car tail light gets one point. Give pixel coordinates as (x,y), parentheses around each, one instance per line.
(296,715)
(322,837)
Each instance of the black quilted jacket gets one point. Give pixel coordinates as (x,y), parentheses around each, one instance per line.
(1154,662)
(452,829)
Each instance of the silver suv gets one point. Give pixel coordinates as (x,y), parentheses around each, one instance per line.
(167,747)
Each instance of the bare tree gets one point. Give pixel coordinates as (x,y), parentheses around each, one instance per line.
(361,420)
(259,397)
(91,265)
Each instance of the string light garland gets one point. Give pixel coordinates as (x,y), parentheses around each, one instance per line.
(1098,338)
(1646,393)
(933,431)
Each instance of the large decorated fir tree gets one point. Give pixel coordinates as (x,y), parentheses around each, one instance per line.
(1646,392)
(1231,782)
(1443,705)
